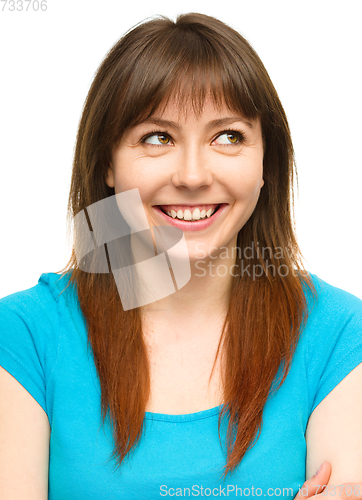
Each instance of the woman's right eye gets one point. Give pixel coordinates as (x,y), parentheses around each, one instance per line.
(156,138)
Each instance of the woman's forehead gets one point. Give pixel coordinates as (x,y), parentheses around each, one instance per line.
(180,109)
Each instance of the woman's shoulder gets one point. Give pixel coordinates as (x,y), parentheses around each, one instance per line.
(334,326)
(333,330)
(332,301)
(333,338)
(45,295)
(30,332)
(30,318)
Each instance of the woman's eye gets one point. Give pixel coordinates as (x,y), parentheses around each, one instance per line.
(230,138)
(157,139)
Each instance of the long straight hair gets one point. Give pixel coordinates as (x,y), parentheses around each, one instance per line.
(154,61)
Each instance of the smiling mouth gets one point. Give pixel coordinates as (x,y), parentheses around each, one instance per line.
(186,215)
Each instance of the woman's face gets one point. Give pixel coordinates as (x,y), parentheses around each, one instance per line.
(188,166)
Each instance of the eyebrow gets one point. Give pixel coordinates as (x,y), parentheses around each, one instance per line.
(219,122)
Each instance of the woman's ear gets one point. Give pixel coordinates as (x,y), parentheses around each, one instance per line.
(110,177)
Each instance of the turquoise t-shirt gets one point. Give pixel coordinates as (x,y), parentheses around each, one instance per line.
(43,344)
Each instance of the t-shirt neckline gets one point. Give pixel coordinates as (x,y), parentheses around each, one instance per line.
(186,417)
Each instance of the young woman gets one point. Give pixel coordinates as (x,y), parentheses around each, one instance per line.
(187,339)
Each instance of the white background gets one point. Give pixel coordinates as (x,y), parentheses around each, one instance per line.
(312,51)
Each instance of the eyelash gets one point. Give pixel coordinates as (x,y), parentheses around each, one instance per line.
(239,135)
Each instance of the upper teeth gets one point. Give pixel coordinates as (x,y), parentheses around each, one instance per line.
(187,215)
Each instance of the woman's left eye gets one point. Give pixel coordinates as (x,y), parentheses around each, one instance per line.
(230,137)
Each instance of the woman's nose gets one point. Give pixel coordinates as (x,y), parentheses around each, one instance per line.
(191,170)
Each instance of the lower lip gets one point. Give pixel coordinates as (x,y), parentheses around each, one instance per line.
(192,225)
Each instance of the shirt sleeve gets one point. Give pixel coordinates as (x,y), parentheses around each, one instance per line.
(334,340)
(29,337)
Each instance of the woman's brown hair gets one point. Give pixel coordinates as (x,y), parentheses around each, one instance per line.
(156,60)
